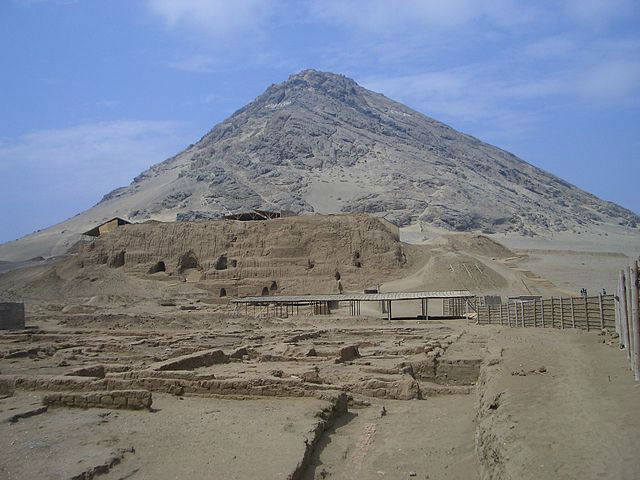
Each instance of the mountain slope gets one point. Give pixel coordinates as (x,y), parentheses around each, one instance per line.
(321,143)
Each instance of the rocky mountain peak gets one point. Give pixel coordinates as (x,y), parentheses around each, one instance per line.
(307,89)
(319,142)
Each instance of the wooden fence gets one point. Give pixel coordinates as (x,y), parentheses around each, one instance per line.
(596,312)
(454,307)
(628,315)
(620,312)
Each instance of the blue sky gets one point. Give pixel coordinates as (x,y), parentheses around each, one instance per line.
(92,92)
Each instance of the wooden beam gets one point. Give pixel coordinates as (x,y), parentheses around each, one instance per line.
(635,320)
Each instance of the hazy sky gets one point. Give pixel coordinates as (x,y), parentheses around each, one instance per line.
(94,91)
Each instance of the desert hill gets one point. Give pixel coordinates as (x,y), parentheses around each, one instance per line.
(321,143)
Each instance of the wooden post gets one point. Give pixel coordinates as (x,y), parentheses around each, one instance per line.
(500,312)
(586,312)
(635,320)
(389,310)
(426,308)
(617,313)
(522,314)
(561,313)
(624,330)
(629,317)
(515,309)
(573,314)
(542,312)
(601,312)
(553,314)
(535,313)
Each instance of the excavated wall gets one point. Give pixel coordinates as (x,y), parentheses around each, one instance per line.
(308,253)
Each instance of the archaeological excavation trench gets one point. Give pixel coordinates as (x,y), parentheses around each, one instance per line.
(363,384)
(312,398)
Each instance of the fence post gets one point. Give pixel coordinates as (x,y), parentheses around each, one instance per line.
(542,311)
(601,312)
(573,315)
(535,316)
(624,325)
(561,313)
(627,277)
(500,312)
(635,320)
(586,312)
(553,314)
(618,314)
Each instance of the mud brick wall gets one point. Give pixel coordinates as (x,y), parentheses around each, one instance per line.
(11,316)
(131,399)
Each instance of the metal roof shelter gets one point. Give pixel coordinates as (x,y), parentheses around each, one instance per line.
(322,302)
(107,227)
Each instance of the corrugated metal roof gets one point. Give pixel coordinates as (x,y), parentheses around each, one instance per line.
(345,297)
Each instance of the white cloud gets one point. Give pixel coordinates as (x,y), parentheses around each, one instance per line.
(384,17)
(215,17)
(611,81)
(503,95)
(68,169)
(551,47)
(599,13)
(198,63)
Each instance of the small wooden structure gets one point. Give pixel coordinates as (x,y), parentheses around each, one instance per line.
(106,227)
(322,304)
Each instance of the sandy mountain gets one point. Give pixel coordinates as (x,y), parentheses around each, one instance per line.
(321,143)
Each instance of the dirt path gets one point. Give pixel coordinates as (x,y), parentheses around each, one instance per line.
(433,439)
(577,418)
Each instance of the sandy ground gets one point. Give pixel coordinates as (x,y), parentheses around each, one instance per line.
(433,439)
(465,415)
(575,420)
(187,437)
(245,395)
(567,261)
